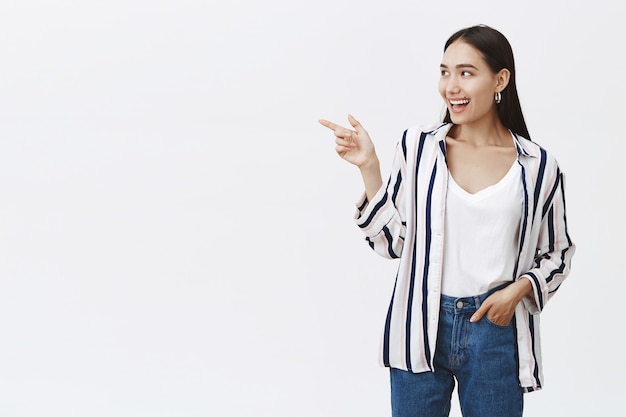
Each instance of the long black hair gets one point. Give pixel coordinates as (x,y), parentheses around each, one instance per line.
(498,54)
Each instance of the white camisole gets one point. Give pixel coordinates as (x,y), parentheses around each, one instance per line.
(481,235)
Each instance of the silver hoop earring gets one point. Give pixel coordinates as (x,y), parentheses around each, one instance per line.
(498,97)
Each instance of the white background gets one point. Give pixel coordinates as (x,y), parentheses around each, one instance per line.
(176,234)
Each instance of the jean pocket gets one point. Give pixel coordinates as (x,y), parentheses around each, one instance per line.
(499,326)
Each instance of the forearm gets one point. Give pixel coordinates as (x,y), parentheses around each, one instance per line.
(372,178)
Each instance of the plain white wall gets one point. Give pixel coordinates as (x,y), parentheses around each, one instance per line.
(176,234)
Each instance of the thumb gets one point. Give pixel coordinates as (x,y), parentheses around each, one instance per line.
(355,124)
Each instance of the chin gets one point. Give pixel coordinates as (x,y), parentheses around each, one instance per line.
(457,120)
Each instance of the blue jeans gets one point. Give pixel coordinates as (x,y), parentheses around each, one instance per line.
(481,356)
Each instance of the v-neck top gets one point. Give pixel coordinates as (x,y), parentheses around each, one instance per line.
(487,191)
(482,231)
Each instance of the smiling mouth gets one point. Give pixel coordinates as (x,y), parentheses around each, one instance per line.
(461,102)
(458,105)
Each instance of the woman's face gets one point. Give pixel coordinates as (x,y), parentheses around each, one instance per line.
(467,84)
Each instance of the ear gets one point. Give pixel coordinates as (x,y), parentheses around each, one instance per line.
(502,79)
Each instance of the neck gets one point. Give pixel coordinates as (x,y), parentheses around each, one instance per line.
(488,131)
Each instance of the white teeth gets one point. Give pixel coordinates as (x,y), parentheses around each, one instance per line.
(455,102)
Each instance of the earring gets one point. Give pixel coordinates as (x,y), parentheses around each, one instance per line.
(498,97)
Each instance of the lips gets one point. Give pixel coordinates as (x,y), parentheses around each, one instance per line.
(458,105)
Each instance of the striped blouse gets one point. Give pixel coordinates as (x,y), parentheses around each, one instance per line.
(405,220)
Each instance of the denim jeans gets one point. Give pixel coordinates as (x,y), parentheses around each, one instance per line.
(481,356)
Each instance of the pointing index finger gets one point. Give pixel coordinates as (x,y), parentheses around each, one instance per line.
(338,130)
(328,124)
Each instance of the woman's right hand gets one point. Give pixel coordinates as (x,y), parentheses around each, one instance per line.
(355,146)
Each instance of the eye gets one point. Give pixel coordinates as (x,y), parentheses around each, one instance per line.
(444,73)
(466,73)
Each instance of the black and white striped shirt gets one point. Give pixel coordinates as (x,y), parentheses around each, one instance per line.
(405,220)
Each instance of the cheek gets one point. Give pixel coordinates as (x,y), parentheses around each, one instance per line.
(487,97)
(486,90)
(442,88)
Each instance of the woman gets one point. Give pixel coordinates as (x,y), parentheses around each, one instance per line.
(476,213)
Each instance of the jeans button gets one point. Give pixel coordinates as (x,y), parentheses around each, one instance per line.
(459,304)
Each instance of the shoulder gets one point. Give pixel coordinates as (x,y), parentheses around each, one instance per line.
(538,154)
(425,133)
(543,169)
(420,140)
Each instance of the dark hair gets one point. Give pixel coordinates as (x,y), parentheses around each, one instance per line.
(498,54)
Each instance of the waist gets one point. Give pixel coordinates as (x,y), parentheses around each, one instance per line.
(470,303)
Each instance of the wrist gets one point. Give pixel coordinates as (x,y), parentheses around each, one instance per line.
(370,164)
(372,179)
(521,288)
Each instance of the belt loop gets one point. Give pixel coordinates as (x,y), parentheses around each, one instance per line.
(477,301)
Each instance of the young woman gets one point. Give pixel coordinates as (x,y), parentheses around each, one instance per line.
(475,211)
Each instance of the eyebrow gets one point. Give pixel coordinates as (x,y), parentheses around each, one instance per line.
(459,66)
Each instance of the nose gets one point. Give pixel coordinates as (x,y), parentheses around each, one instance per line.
(452,85)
